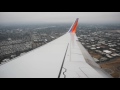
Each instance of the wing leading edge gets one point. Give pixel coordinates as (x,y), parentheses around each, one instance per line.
(64,57)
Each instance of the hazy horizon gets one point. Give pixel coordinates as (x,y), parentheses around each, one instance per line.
(58,17)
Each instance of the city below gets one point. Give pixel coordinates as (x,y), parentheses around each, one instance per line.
(101,40)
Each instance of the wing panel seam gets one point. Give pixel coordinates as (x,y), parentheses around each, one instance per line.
(63,61)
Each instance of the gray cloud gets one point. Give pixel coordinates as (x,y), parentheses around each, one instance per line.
(35,17)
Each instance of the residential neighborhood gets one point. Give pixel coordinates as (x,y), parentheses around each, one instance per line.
(17,41)
(105,43)
(102,41)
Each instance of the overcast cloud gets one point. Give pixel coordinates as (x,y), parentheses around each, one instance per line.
(54,17)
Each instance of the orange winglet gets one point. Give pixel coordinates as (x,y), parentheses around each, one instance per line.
(73,29)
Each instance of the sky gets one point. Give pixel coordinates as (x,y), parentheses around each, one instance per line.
(59,17)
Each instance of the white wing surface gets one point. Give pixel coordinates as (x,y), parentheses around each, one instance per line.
(64,57)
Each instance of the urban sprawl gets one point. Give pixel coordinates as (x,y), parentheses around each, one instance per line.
(104,40)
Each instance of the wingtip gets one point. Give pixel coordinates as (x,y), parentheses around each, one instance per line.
(73,28)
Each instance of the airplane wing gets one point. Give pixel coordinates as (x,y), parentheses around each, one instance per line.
(64,57)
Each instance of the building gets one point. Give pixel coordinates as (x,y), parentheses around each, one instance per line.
(107,51)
